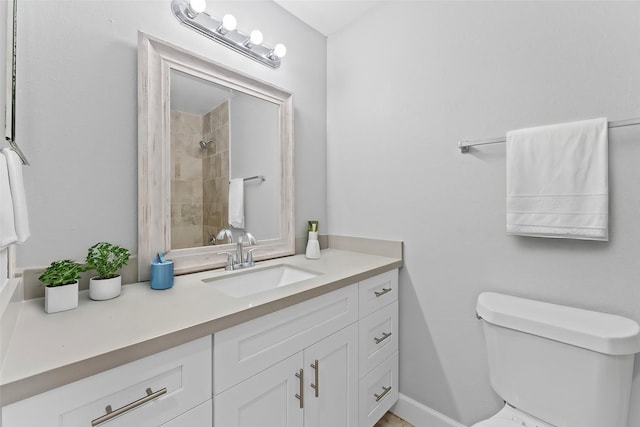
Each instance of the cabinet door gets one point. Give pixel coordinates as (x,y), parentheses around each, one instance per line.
(331,380)
(267,399)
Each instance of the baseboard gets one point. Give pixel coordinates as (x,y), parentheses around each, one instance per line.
(420,415)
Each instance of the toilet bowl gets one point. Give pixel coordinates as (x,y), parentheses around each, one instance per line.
(512,417)
(558,365)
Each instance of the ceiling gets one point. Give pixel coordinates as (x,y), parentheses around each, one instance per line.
(190,94)
(328,16)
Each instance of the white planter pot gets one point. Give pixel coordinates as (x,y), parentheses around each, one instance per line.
(60,298)
(103,289)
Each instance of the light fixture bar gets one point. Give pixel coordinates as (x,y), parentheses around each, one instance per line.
(208,26)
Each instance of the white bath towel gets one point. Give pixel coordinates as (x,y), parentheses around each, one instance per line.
(236,203)
(8,234)
(557,181)
(20,211)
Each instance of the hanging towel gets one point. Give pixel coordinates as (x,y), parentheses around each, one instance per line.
(236,203)
(8,234)
(557,181)
(20,212)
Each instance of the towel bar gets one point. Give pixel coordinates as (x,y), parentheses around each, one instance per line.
(262,178)
(465,145)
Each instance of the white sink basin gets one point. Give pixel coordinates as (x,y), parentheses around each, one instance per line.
(249,282)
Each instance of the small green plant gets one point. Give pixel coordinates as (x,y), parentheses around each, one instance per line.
(61,273)
(106,259)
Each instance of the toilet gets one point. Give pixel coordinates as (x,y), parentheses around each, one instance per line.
(557,366)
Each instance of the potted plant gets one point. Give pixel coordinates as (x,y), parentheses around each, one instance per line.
(106,259)
(61,285)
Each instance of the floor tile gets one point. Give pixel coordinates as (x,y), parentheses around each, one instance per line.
(391,420)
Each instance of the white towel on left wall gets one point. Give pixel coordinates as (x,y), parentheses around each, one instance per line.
(15,197)
(8,234)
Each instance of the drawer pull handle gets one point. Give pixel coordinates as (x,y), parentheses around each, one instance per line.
(316,386)
(383,394)
(128,407)
(300,397)
(382,292)
(385,335)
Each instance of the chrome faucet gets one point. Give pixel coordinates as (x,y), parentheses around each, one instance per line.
(238,260)
(225,232)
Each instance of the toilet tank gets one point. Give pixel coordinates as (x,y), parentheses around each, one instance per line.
(564,365)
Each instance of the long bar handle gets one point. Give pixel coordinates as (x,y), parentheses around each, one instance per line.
(316,367)
(300,396)
(383,394)
(382,292)
(385,335)
(128,407)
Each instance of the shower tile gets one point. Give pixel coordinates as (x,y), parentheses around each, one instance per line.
(224,165)
(191,214)
(208,168)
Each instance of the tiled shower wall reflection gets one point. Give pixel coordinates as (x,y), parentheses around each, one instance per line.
(199,177)
(215,171)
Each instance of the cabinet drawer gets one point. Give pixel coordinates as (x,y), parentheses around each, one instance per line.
(200,416)
(378,391)
(378,337)
(378,291)
(246,349)
(184,371)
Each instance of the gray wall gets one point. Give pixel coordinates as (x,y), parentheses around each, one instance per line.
(398,103)
(254,141)
(77,112)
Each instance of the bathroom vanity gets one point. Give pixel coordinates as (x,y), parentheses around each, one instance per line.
(319,352)
(220,348)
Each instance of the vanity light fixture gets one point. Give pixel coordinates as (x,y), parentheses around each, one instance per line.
(191,13)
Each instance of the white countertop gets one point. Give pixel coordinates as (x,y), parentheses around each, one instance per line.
(50,350)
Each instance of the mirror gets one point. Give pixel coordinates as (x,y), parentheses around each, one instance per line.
(202,125)
(218,134)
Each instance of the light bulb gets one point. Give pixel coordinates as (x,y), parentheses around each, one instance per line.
(280,50)
(229,22)
(196,7)
(255,37)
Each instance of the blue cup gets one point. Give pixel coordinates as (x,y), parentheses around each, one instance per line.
(161,274)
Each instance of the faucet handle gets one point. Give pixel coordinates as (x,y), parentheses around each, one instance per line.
(250,255)
(229,255)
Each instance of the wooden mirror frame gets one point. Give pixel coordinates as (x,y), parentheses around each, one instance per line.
(156,59)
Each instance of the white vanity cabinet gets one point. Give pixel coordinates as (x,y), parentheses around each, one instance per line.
(294,367)
(171,388)
(330,361)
